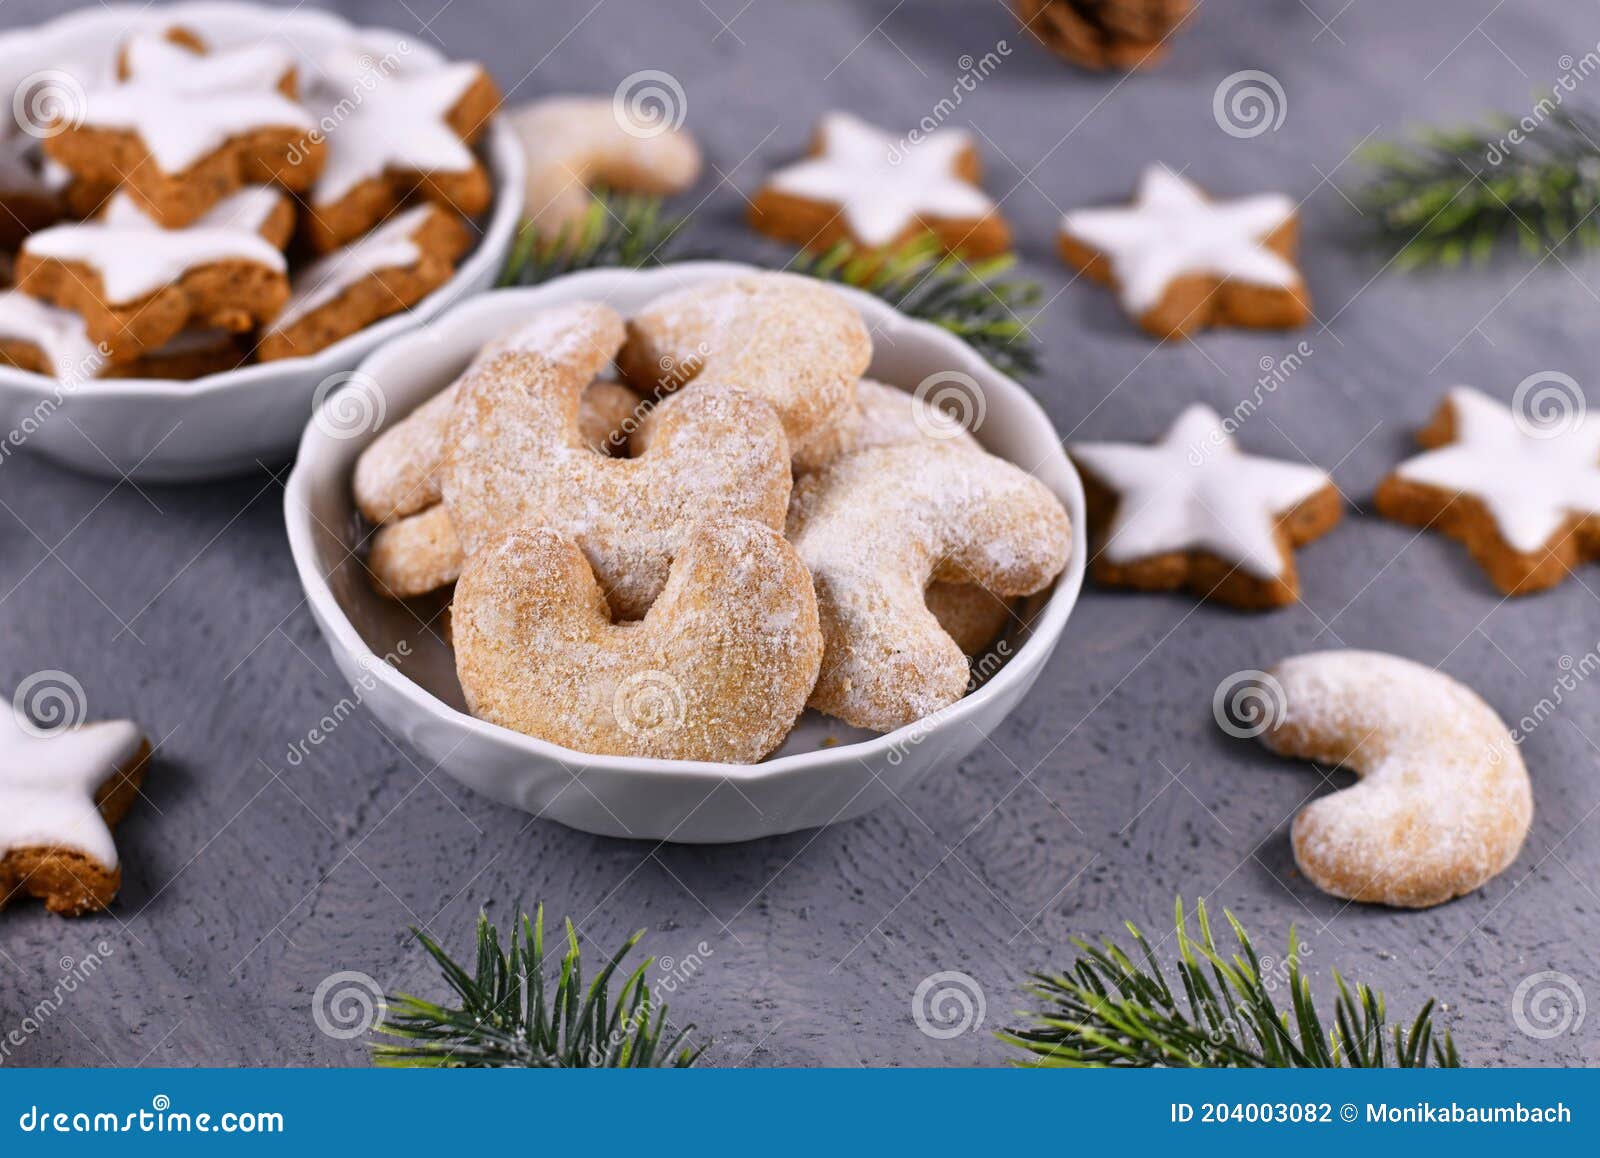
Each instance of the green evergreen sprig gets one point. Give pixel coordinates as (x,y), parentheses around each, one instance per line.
(508,1013)
(1459,195)
(1116,1008)
(627,232)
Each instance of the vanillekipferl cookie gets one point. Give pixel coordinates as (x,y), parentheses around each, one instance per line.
(61,793)
(1443,802)
(874,528)
(718,668)
(1522,495)
(388,270)
(1192,511)
(861,186)
(572,144)
(1180,261)
(411,132)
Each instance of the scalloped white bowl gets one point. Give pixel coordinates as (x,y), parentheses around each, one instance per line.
(825,772)
(228,423)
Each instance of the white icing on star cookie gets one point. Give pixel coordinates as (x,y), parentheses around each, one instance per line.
(1173,230)
(179,128)
(150,58)
(48,784)
(881,186)
(1530,483)
(390,246)
(1195,491)
(134,261)
(246,210)
(59,334)
(399,123)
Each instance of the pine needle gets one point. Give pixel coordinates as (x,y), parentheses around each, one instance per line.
(1114,1008)
(1458,196)
(970,299)
(508,1013)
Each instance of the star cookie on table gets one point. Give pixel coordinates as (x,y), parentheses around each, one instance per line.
(411,132)
(1180,261)
(1521,494)
(61,791)
(863,186)
(1193,511)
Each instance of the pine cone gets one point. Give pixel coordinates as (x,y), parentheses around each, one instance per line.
(1101,34)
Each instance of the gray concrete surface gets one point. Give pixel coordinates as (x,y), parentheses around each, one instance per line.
(1109,792)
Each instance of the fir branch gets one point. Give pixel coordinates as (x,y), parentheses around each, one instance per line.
(510,1014)
(629,232)
(1455,196)
(970,299)
(1116,1008)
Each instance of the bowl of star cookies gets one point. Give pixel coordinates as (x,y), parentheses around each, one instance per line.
(697,553)
(213,211)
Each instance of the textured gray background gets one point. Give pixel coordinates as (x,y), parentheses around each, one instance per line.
(1109,792)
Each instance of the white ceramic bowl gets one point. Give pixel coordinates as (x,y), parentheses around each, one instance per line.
(814,779)
(166,431)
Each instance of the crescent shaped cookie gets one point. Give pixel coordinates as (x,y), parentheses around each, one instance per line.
(1443,803)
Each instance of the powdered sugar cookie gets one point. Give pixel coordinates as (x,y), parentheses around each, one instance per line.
(572,143)
(138,287)
(387,271)
(1194,512)
(1180,261)
(1523,497)
(782,337)
(718,669)
(61,792)
(874,528)
(412,131)
(862,186)
(46,340)
(1443,803)
(180,151)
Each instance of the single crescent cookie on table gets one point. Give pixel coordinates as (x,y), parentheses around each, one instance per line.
(1192,511)
(1443,802)
(1180,261)
(61,793)
(1522,494)
(863,186)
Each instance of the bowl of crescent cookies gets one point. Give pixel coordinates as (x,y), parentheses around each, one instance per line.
(697,553)
(214,211)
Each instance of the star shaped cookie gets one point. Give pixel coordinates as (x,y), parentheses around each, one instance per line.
(1523,496)
(1180,261)
(60,794)
(863,186)
(182,63)
(1193,511)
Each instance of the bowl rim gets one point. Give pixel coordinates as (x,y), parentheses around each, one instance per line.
(1019,669)
(506,168)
